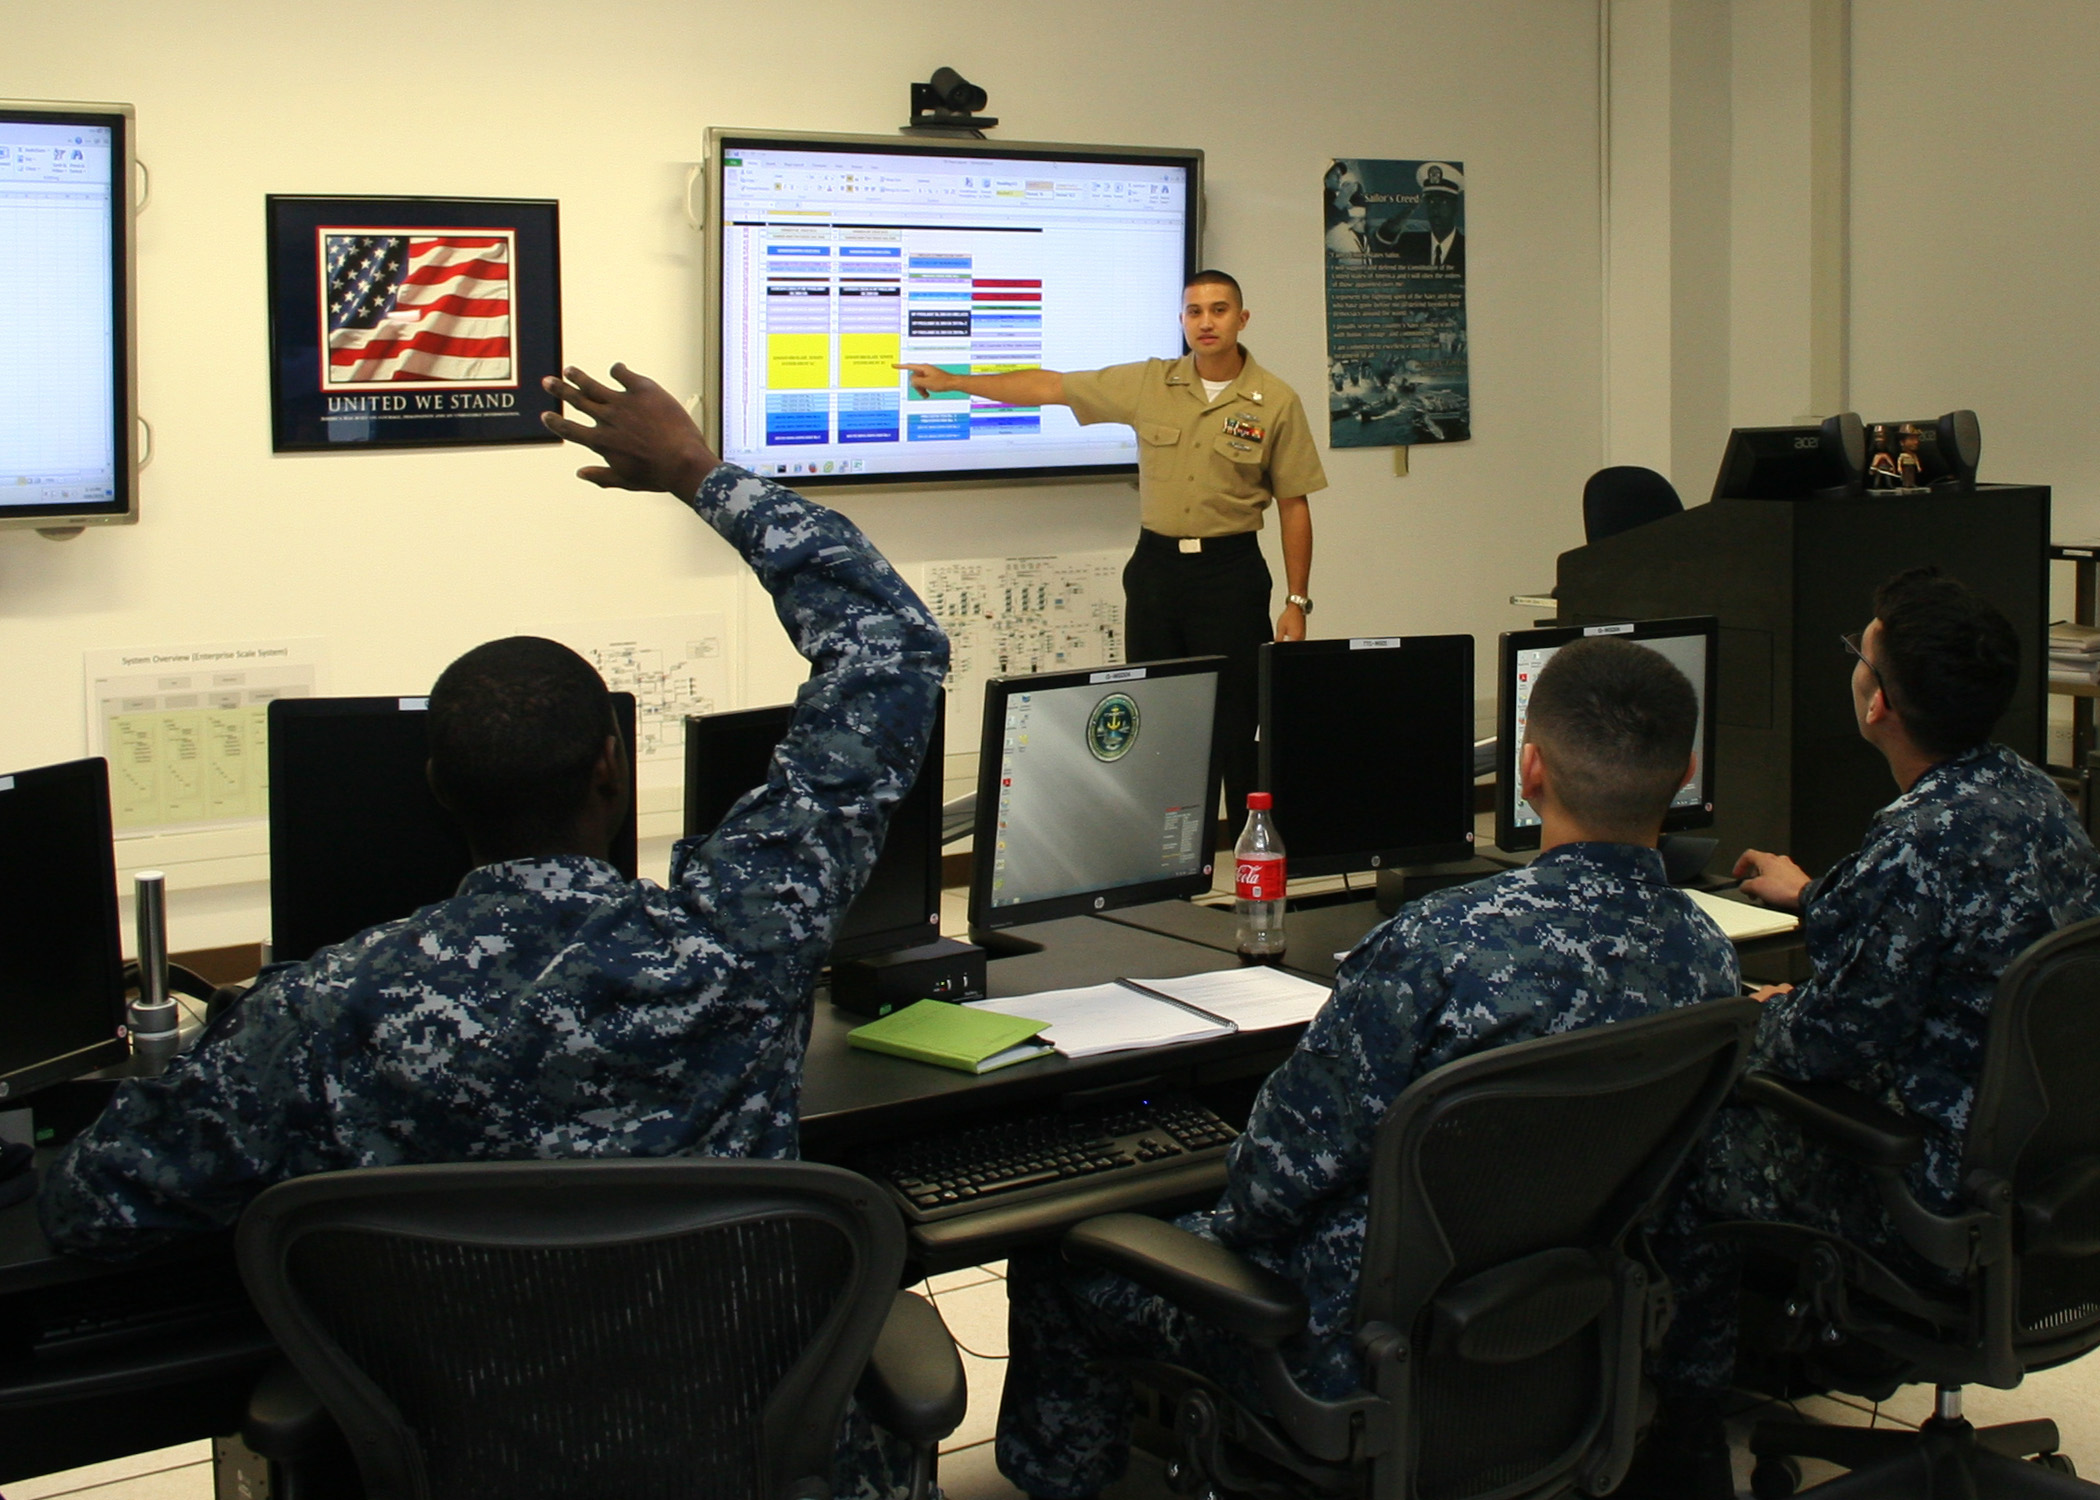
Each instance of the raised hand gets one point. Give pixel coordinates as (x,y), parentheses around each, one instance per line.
(644,435)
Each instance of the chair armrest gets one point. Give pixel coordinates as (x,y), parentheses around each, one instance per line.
(1197,1274)
(1838,1117)
(2058,1216)
(286,1421)
(913,1385)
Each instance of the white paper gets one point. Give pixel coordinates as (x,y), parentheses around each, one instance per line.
(1106,1018)
(1253,999)
(1739,921)
(186,728)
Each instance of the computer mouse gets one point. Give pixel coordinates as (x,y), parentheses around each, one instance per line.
(17,1182)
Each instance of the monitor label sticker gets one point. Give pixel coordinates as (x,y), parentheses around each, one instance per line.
(7,783)
(1127,674)
(1625,629)
(1112,728)
(415,705)
(1376,643)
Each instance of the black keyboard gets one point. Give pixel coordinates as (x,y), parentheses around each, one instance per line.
(1043,1154)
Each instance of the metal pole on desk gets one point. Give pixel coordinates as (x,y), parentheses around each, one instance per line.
(156,1024)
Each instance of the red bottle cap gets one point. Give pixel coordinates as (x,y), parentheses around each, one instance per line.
(1260,801)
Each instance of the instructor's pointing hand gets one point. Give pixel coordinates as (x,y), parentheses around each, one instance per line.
(646,438)
(925,378)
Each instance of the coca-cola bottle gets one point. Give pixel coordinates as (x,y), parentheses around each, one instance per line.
(1258,884)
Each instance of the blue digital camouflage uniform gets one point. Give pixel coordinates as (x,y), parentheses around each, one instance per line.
(1590,933)
(1980,858)
(552,1008)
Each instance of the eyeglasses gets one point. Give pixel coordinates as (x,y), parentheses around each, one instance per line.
(1851,643)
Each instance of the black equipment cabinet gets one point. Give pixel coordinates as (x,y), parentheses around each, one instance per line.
(1787,578)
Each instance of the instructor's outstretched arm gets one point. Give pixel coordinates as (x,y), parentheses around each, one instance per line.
(1013,388)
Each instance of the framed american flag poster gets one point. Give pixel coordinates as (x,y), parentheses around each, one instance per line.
(412,322)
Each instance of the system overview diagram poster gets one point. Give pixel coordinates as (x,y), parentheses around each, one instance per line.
(411,322)
(1396,303)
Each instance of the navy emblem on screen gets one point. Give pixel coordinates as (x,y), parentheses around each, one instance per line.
(1112,728)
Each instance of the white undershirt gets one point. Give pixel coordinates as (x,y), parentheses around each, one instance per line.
(1212,389)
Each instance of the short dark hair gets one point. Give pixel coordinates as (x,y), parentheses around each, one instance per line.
(1615,722)
(516,727)
(1205,278)
(1949,658)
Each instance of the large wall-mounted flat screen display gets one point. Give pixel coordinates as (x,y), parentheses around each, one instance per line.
(66,367)
(835,258)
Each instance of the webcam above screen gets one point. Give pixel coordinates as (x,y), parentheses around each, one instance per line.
(1692,644)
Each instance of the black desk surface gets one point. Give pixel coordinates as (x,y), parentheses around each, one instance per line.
(852,1098)
(1321,936)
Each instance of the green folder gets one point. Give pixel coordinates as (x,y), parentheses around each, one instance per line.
(953,1036)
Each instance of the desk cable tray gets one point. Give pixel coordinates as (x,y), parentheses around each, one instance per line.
(1045,1155)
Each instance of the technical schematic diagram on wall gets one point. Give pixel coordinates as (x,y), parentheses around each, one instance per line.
(674,665)
(186,729)
(1009,615)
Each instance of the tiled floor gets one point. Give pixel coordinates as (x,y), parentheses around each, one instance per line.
(974,1305)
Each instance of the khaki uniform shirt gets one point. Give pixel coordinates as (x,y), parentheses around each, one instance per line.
(1205,468)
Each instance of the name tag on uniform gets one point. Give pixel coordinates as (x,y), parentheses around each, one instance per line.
(1244,427)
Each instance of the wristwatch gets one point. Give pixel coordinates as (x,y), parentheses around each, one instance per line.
(1300,600)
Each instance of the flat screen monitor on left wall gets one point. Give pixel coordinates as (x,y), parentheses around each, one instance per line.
(356,836)
(67,455)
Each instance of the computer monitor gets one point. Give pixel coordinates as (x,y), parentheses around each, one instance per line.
(1367,747)
(1823,462)
(726,755)
(67,316)
(1691,643)
(1094,790)
(356,836)
(833,258)
(61,963)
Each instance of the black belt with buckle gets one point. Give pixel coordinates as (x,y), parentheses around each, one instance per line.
(1153,541)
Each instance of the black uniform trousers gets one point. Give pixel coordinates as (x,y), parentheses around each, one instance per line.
(1209,603)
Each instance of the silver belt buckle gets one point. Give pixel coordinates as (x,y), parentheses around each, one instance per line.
(1190,543)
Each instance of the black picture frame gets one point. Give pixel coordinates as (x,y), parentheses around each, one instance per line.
(390,327)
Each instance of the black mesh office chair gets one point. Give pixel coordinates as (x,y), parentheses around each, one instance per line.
(1623,497)
(2026,1247)
(1503,1312)
(670,1327)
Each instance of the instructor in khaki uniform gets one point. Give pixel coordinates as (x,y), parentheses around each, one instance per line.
(1219,438)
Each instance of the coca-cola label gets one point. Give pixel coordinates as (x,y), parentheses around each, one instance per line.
(1259,877)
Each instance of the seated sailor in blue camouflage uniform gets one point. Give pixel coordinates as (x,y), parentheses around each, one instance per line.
(552,1008)
(1979,857)
(1589,934)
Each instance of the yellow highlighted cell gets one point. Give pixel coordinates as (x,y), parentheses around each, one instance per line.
(798,361)
(867,361)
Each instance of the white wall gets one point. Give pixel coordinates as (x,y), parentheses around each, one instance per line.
(402,560)
(1975,129)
